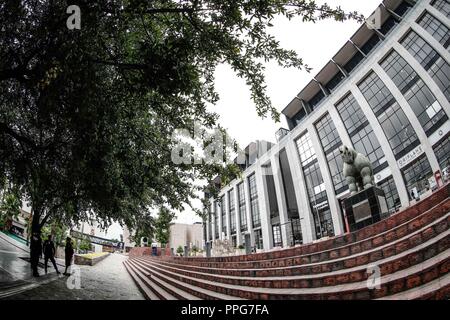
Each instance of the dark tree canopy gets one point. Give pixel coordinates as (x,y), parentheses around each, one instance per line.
(86,116)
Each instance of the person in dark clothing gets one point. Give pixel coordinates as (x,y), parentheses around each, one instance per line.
(69,254)
(35,252)
(49,253)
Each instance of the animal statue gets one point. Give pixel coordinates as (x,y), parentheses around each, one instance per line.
(357,170)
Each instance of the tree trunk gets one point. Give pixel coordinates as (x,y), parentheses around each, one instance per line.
(35,241)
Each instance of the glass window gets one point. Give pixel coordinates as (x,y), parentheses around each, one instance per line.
(391,193)
(351,114)
(299,116)
(314,102)
(334,82)
(254,207)
(395,124)
(315,186)
(242,209)
(331,142)
(296,230)
(322,220)
(416,176)
(402,8)
(353,62)
(436,28)
(442,151)
(430,60)
(306,150)
(443,6)
(232,207)
(422,101)
(360,131)
(314,183)
(276,231)
(388,25)
(370,44)
(258,239)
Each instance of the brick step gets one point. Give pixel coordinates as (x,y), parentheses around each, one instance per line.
(387,265)
(164,290)
(409,278)
(360,246)
(434,221)
(143,287)
(197,292)
(299,268)
(439,197)
(437,289)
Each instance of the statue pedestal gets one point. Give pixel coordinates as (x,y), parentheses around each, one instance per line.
(365,208)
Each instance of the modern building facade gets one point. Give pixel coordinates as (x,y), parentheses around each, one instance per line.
(385,93)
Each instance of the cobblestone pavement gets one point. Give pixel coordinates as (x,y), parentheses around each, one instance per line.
(107,280)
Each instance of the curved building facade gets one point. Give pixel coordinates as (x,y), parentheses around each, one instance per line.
(385,93)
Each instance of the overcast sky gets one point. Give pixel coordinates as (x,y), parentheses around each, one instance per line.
(315,43)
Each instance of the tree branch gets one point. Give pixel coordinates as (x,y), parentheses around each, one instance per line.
(15,135)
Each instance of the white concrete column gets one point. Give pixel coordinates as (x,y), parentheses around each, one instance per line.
(340,126)
(264,207)
(213,218)
(439,15)
(219,212)
(281,198)
(248,211)
(227,216)
(336,215)
(237,215)
(410,115)
(384,143)
(208,222)
(301,194)
(431,41)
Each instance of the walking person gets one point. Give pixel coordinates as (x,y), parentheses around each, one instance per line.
(49,253)
(69,254)
(35,252)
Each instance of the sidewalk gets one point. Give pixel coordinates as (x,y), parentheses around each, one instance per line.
(15,269)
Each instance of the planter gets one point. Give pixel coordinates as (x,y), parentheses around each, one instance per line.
(90,259)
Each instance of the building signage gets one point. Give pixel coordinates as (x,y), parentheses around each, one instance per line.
(410,157)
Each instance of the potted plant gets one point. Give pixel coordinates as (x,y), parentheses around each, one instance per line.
(180,251)
(240,249)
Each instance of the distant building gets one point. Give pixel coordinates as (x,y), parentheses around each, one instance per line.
(129,243)
(19,225)
(186,235)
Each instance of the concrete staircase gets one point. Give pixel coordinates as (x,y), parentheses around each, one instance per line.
(411,250)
